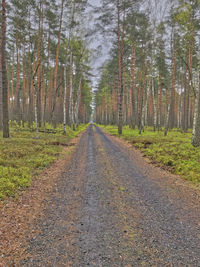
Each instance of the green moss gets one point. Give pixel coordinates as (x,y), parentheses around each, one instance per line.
(174,151)
(22,156)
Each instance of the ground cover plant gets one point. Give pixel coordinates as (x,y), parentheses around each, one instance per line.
(23,156)
(174,151)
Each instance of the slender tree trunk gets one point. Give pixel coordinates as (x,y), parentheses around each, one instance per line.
(141,127)
(17,90)
(39,62)
(120,73)
(56,64)
(185,107)
(12,85)
(4,73)
(36,114)
(145,106)
(180,109)
(154,106)
(196,121)
(46,79)
(45,101)
(31,96)
(65,98)
(71,101)
(167,120)
(133,111)
(1,89)
(159,104)
(77,105)
(24,92)
(35,105)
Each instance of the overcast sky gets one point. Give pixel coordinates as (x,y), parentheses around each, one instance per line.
(97,42)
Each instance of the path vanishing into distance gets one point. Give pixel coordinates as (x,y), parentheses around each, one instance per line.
(110,208)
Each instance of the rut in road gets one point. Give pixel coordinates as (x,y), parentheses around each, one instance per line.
(106,210)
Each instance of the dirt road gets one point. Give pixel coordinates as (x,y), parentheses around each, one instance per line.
(112,208)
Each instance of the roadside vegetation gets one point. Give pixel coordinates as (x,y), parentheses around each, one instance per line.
(174,151)
(22,156)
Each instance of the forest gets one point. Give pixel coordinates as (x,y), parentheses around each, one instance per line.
(152,75)
(53,82)
(45,85)
(100,133)
(47,63)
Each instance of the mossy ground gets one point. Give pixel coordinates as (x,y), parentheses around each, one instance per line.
(174,151)
(22,156)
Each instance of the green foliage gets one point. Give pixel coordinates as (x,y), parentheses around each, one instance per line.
(12,179)
(174,151)
(22,156)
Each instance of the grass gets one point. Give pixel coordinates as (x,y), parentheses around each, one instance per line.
(174,151)
(22,156)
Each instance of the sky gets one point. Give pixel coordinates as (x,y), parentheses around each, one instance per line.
(97,43)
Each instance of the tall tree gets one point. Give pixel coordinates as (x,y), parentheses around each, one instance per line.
(4,73)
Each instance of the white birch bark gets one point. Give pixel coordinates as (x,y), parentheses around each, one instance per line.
(154,106)
(71,102)
(167,119)
(196,108)
(145,108)
(77,105)
(36,116)
(180,106)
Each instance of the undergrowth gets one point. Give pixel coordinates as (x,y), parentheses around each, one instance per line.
(174,151)
(22,156)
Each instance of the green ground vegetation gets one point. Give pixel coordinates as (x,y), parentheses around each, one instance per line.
(22,156)
(174,151)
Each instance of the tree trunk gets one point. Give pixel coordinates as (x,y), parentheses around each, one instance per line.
(35,107)
(1,89)
(4,73)
(31,97)
(167,121)
(12,85)
(133,111)
(77,105)
(120,75)
(180,110)
(39,63)
(172,98)
(159,104)
(167,115)
(56,65)
(65,98)
(196,121)
(17,90)
(24,91)
(154,106)
(45,101)
(71,100)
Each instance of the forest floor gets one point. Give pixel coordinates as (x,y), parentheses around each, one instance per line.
(22,156)
(103,204)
